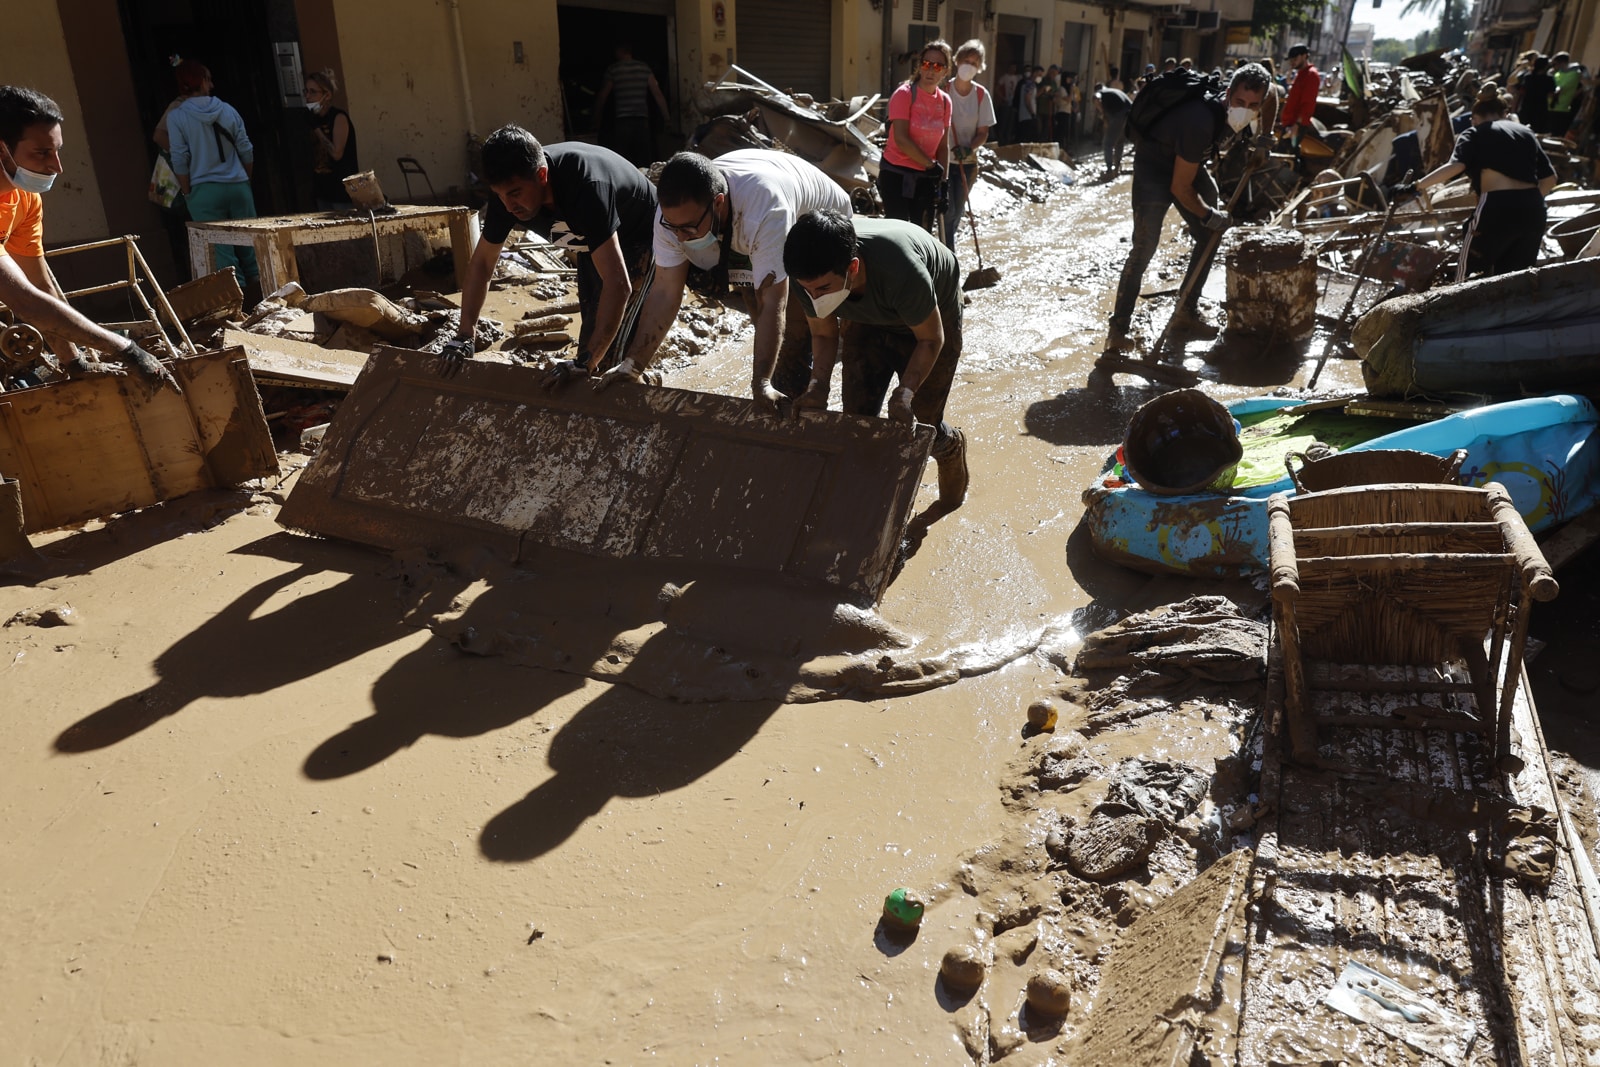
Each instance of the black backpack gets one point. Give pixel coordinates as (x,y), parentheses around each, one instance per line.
(1163,93)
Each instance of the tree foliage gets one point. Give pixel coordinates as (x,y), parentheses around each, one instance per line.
(1267,17)
(1453,19)
(1390,50)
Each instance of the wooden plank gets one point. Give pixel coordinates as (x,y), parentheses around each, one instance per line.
(89,447)
(285,361)
(490,457)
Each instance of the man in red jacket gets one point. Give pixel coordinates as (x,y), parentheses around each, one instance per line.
(1302,102)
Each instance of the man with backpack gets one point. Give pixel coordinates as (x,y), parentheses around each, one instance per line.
(1177,120)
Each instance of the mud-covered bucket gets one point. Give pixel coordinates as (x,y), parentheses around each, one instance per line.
(1572,234)
(1182,442)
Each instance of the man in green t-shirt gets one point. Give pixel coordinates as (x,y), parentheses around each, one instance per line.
(882,297)
(1568,77)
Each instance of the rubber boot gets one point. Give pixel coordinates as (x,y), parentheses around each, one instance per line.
(950,455)
(17,555)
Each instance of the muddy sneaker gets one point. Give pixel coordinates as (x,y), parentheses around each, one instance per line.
(951,458)
(1188,320)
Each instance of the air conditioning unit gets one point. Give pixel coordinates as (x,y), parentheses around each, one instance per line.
(1185,20)
(1208,20)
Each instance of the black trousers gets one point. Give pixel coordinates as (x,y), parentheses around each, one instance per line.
(1508,229)
(1149,213)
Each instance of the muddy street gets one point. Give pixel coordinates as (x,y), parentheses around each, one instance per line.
(268,800)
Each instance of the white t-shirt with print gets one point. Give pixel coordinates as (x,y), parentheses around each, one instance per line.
(767,192)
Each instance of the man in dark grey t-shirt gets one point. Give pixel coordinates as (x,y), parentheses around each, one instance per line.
(1169,171)
(883,298)
(580,197)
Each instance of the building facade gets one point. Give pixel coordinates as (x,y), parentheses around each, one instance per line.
(424,80)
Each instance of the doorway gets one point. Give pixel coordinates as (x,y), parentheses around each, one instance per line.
(235,41)
(589,37)
(1016,41)
(1132,56)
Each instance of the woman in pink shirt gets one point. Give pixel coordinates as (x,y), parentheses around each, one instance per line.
(913,177)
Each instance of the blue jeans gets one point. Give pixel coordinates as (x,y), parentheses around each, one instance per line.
(1148,216)
(962,175)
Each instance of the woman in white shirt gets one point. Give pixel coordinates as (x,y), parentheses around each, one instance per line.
(971,118)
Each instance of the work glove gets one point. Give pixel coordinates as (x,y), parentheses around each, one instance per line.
(1217,221)
(566,370)
(815,398)
(768,399)
(941,198)
(148,368)
(453,355)
(1403,191)
(626,371)
(900,406)
(963,154)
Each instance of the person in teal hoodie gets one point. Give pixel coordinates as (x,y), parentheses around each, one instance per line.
(213,158)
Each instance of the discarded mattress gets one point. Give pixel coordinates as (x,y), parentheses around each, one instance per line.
(1544,450)
(490,458)
(1532,331)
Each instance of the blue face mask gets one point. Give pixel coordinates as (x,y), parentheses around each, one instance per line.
(31,181)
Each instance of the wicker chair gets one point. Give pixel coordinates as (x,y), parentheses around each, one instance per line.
(1404,576)
(1374,466)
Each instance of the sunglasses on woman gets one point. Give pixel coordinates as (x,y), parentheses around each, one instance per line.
(932,64)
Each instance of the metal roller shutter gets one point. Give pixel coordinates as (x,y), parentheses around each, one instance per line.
(787,43)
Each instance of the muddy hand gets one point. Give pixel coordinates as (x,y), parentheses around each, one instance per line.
(149,368)
(769,401)
(900,406)
(564,371)
(815,398)
(453,356)
(84,367)
(626,371)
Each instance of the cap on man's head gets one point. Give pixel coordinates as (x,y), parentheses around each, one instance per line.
(1298,50)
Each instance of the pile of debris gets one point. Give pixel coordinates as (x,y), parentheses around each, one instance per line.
(845,138)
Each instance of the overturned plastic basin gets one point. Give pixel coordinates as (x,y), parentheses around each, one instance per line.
(1572,234)
(1182,442)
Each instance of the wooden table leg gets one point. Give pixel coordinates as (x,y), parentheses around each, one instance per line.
(269,263)
(461,244)
(200,251)
(288,265)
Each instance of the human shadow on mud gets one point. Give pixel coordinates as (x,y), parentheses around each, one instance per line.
(241,652)
(635,739)
(678,656)
(1095,414)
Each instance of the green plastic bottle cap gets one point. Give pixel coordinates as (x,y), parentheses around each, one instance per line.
(903,907)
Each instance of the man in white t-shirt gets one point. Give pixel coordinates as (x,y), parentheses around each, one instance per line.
(734,212)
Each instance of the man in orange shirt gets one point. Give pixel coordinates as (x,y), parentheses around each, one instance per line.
(30,160)
(1302,102)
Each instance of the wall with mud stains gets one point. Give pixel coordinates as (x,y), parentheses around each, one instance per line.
(403,80)
(36,56)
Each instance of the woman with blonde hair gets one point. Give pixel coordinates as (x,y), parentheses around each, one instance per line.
(971,119)
(333,142)
(913,178)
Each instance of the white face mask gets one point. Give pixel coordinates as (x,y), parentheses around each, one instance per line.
(827,304)
(314,106)
(704,251)
(966,72)
(1240,117)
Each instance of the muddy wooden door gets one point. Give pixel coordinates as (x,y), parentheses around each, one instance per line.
(634,473)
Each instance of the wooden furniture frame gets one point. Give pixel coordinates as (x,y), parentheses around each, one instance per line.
(275,237)
(1429,580)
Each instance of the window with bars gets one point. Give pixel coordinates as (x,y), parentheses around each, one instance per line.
(925,10)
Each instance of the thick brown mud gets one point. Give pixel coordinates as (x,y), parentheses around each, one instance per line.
(274,799)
